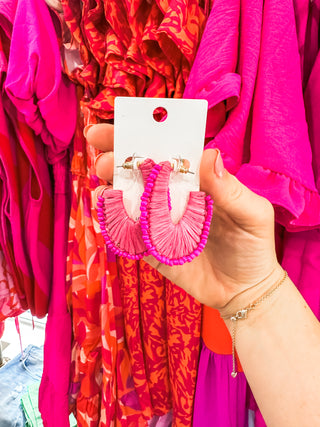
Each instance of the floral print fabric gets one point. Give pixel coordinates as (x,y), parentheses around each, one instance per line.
(101,389)
(134,48)
(136,335)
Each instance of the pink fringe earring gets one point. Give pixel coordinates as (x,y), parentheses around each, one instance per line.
(122,234)
(170,243)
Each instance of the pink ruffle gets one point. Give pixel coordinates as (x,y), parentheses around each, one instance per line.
(297,207)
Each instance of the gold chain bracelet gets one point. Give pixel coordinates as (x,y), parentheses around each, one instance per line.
(243,314)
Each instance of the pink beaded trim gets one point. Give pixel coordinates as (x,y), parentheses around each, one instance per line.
(111,245)
(145,224)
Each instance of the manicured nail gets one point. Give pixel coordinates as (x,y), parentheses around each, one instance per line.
(218,166)
(85,130)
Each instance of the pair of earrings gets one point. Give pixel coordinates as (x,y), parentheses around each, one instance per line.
(155,233)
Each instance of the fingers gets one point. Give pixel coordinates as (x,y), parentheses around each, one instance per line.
(104,166)
(240,203)
(96,193)
(100,136)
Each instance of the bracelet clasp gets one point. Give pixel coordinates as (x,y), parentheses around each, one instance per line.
(241,314)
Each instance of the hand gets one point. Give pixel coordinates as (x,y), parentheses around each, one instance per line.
(240,251)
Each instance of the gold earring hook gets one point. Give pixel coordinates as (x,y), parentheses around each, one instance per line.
(129,162)
(182,165)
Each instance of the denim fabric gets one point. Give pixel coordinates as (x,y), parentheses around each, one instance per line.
(15,377)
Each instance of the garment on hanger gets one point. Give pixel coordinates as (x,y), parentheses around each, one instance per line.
(148,50)
(26,233)
(134,49)
(45,100)
(102,389)
(265,142)
(12,291)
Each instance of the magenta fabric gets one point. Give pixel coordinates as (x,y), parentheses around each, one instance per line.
(219,400)
(54,387)
(29,210)
(35,81)
(280,145)
(301,9)
(307,14)
(225,68)
(312,104)
(268,149)
(220,81)
(26,202)
(47,100)
(302,260)
(12,240)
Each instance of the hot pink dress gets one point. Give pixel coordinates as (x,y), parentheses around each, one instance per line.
(47,102)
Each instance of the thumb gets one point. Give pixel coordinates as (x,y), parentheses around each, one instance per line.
(229,194)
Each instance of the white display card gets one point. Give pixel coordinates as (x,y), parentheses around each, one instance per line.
(180,135)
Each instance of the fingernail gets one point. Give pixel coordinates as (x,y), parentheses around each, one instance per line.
(85,130)
(218,166)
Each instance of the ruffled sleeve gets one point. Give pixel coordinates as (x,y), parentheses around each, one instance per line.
(213,76)
(264,140)
(280,166)
(296,206)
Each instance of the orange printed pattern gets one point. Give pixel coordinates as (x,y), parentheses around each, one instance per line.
(153,323)
(129,286)
(101,389)
(136,335)
(84,292)
(184,327)
(134,47)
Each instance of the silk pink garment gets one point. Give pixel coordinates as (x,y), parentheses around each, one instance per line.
(275,147)
(280,166)
(26,202)
(312,100)
(302,250)
(307,14)
(32,205)
(40,90)
(48,103)
(214,389)
(225,69)
(11,238)
(301,8)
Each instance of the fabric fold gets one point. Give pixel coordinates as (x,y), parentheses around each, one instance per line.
(297,207)
(220,399)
